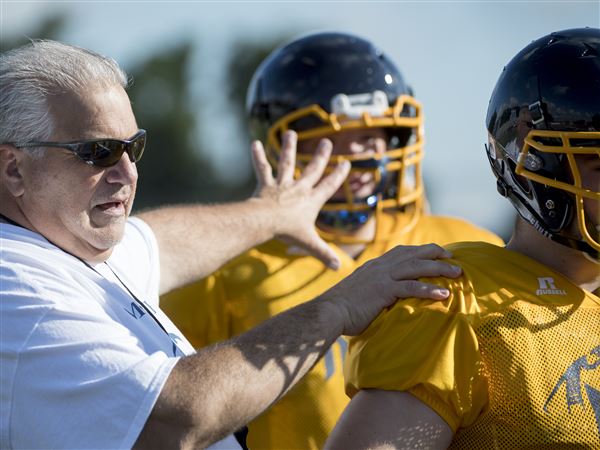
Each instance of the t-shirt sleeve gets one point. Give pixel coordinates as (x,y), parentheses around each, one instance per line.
(428,349)
(137,260)
(99,385)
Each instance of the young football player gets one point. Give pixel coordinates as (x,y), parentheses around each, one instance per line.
(512,358)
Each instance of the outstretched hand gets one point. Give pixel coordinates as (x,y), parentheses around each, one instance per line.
(377,284)
(296,202)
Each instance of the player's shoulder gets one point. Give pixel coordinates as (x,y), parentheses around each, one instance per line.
(454,229)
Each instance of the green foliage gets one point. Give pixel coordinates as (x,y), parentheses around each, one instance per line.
(173,169)
(243,60)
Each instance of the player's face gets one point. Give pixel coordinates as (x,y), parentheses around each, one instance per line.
(371,141)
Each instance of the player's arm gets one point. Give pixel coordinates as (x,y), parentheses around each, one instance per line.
(196,240)
(378,419)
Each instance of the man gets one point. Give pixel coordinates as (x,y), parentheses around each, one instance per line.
(341,87)
(87,358)
(512,358)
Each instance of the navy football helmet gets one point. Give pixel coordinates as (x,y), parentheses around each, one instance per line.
(327,83)
(544,116)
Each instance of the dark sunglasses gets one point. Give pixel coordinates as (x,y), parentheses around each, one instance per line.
(100,152)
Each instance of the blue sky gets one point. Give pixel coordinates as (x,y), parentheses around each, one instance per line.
(450,52)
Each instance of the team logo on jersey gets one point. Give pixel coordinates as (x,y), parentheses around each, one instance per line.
(574,387)
(547,287)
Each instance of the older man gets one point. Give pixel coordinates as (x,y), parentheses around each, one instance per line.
(88,360)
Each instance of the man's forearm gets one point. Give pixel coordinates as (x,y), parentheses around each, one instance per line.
(225,386)
(195,240)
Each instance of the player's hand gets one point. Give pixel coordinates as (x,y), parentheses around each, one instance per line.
(377,284)
(295,203)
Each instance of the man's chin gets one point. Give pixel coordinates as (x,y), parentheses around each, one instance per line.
(102,243)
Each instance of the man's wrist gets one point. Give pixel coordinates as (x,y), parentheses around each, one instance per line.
(265,215)
(331,312)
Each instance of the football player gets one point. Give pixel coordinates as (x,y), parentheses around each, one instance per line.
(512,358)
(341,87)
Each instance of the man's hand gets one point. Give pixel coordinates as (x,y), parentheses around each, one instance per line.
(296,203)
(195,240)
(377,284)
(214,392)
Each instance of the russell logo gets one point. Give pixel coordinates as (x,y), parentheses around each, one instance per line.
(547,287)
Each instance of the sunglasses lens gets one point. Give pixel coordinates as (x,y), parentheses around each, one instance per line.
(108,152)
(104,153)
(137,147)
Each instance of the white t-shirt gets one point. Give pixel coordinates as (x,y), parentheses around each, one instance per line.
(82,362)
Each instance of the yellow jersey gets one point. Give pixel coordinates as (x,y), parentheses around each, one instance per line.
(510,360)
(268,280)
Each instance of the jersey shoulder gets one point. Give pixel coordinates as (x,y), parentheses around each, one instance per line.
(453,229)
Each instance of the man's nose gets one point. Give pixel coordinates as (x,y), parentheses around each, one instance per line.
(124,172)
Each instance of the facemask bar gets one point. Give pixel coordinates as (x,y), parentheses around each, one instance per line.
(528,161)
(394,164)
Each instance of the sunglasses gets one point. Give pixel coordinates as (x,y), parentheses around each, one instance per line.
(100,152)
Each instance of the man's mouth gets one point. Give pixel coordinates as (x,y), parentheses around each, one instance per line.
(112,208)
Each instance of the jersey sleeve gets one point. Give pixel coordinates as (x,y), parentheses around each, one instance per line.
(199,310)
(427,348)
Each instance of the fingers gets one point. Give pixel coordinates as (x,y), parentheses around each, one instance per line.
(287,158)
(419,289)
(418,268)
(318,248)
(332,182)
(314,170)
(262,168)
(427,251)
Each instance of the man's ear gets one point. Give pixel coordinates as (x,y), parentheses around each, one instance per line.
(11,169)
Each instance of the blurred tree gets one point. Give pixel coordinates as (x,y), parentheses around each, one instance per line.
(244,59)
(173,169)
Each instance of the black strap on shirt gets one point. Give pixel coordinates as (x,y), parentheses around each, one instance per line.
(10,221)
(241,436)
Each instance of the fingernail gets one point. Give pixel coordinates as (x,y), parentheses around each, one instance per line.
(444,293)
(456,269)
(334,265)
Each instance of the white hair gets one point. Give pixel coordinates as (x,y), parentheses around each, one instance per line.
(31,74)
